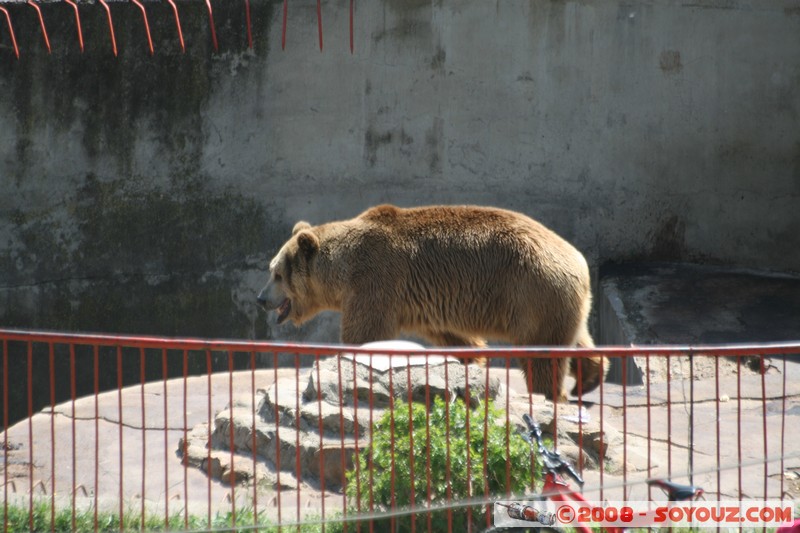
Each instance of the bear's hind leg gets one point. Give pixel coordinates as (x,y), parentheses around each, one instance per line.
(593,369)
(546,376)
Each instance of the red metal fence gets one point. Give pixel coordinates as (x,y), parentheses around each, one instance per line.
(270,440)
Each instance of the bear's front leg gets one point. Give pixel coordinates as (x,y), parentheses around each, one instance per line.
(363,320)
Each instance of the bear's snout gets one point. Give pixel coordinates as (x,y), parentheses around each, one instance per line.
(261,300)
(264,299)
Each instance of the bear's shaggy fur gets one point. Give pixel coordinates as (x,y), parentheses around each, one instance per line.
(455,275)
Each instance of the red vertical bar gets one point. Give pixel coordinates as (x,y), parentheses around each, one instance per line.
(411,439)
(352,6)
(392,471)
(625,428)
(429,495)
(72,396)
(165,375)
(669,419)
(321,433)
(716,393)
(764,422)
(297,470)
(249,25)
(341,435)
(356,461)
(508,427)
(485,442)
(600,461)
(319,22)
(691,417)
(649,434)
(277,435)
(210,420)
(30,432)
(185,443)
(231,441)
(739,420)
(5,435)
(783,422)
(449,488)
(144,431)
(371,463)
(467,409)
(579,380)
(119,405)
(253,431)
(555,364)
(51,356)
(529,384)
(283,30)
(96,367)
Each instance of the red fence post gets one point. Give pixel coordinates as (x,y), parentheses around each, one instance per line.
(232,471)
(96,364)
(119,398)
(5,435)
(321,432)
(144,429)
(185,445)
(165,375)
(72,397)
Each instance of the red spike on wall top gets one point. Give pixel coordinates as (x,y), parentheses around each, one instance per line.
(11,31)
(138,4)
(41,23)
(77,22)
(74,4)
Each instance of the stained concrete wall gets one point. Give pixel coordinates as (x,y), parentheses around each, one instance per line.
(145,194)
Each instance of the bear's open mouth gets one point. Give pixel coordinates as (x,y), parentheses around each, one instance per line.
(284,309)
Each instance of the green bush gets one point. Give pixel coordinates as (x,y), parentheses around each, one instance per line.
(390,458)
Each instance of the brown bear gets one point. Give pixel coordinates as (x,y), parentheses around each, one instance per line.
(455,275)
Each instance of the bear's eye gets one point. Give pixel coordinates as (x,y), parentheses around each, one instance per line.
(278,277)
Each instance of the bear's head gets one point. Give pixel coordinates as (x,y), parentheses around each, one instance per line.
(290,289)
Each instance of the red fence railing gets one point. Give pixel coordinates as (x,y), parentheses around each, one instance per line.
(181,432)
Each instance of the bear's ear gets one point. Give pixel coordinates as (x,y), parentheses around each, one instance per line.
(300,226)
(308,243)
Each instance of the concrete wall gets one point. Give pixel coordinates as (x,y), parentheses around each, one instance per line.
(145,194)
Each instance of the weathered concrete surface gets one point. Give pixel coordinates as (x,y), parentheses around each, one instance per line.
(666,303)
(685,304)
